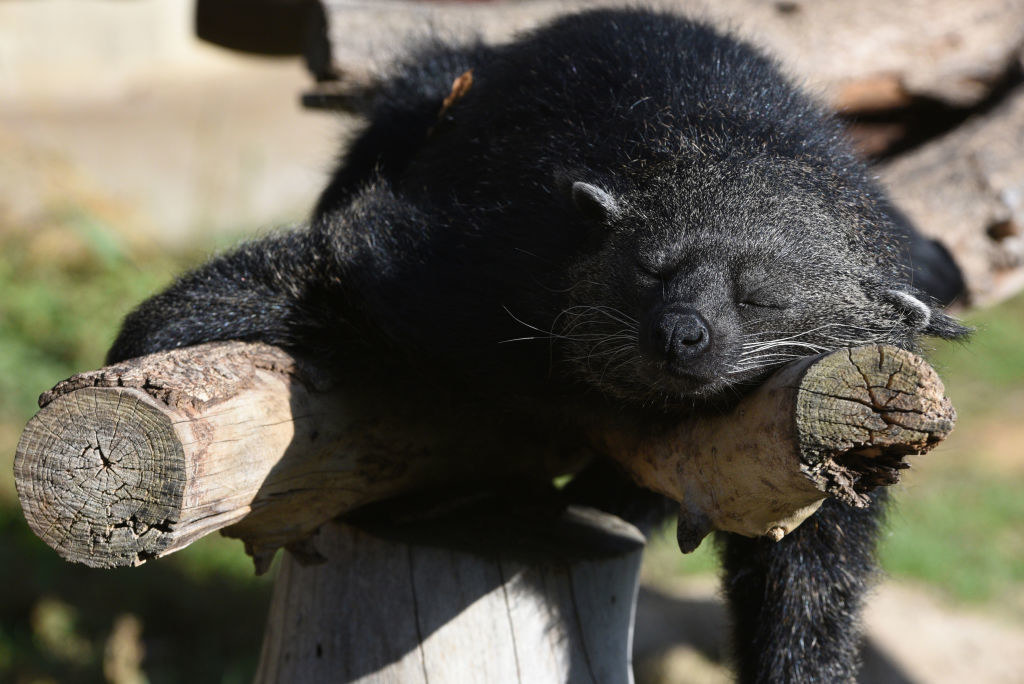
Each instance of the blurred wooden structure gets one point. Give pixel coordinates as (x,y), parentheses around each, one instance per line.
(907,77)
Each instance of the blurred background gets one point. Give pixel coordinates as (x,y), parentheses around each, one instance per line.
(130,149)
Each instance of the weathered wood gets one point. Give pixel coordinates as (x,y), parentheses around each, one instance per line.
(137,460)
(840,424)
(861,55)
(967,189)
(381,610)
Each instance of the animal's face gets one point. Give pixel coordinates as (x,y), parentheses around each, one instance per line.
(697,288)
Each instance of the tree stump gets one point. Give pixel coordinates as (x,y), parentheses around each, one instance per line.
(392,610)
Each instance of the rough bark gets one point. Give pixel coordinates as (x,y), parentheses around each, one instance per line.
(137,460)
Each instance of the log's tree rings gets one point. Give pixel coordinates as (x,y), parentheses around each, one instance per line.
(861,412)
(100,474)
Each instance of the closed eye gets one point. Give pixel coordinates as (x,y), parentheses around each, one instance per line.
(762,296)
(652,273)
(759,304)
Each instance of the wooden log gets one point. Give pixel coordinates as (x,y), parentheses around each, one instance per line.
(837,425)
(967,189)
(137,460)
(392,610)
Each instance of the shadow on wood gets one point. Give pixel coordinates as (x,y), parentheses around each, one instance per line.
(382,610)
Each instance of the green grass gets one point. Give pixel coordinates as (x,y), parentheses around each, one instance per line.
(958,525)
(58,318)
(978,374)
(963,532)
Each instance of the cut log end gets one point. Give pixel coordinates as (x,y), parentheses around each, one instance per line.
(837,425)
(861,413)
(100,475)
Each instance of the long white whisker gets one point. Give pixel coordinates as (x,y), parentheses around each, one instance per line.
(775,344)
(610,312)
(522,339)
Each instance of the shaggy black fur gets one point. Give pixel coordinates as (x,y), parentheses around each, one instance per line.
(625,212)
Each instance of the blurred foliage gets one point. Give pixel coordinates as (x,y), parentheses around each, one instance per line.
(198,615)
(980,373)
(198,620)
(195,616)
(662,559)
(958,522)
(961,531)
(58,315)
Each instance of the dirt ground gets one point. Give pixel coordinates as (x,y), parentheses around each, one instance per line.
(913,637)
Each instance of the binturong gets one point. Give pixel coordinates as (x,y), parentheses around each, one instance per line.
(622,212)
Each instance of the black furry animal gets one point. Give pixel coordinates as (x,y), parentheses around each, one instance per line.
(624,211)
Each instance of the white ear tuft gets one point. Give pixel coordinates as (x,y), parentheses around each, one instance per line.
(919,314)
(593,202)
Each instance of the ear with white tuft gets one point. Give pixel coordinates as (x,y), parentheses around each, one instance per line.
(594,203)
(916,313)
(923,318)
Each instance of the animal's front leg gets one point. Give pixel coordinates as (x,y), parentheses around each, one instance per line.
(293,289)
(796,604)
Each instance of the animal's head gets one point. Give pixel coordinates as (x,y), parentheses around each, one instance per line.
(700,280)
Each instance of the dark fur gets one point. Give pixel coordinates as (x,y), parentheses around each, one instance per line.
(610,185)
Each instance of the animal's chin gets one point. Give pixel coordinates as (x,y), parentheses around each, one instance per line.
(659,386)
(688,391)
(685,381)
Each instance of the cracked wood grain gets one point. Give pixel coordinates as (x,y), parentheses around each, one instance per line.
(137,460)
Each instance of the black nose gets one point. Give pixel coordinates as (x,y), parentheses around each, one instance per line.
(678,333)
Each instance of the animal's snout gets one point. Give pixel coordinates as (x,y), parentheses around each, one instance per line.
(677,334)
